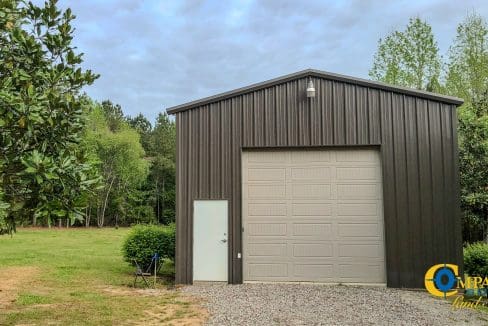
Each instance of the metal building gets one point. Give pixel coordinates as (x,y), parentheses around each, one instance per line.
(356,182)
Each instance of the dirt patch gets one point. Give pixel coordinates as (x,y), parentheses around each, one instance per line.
(12,279)
(126,291)
(183,309)
(174,314)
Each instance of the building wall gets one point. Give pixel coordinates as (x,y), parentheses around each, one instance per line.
(418,143)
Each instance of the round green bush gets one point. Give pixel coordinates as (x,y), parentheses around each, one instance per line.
(143,241)
(476,259)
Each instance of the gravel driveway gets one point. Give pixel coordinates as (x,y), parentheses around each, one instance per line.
(301,304)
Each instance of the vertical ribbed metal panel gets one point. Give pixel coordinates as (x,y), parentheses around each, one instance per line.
(338,113)
(418,143)
(362,119)
(412,183)
(180,257)
(374,119)
(281,110)
(425,172)
(350,114)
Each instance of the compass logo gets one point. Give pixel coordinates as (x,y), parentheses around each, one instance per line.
(441,280)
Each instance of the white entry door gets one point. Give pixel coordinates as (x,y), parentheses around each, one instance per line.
(210,240)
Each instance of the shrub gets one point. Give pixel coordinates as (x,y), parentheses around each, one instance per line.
(476,259)
(144,241)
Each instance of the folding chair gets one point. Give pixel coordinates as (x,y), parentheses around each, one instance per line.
(156,259)
(140,273)
(153,267)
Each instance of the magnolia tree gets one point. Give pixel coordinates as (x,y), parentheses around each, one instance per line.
(43,170)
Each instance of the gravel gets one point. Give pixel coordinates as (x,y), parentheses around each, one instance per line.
(307,304)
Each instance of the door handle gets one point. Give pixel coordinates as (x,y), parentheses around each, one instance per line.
(224,240)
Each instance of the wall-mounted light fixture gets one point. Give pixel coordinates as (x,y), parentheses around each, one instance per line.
(310,89)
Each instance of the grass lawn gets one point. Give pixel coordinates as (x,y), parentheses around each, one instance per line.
(78,277)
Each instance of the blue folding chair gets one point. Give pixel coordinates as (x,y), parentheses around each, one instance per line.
(153,267)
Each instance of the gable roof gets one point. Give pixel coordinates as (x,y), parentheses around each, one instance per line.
(315,73)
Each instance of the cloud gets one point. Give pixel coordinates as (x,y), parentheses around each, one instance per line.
(155,54)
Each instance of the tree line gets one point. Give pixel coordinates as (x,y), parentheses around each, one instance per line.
(134,165)
(411,58)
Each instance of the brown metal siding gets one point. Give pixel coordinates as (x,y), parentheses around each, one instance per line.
(419,157)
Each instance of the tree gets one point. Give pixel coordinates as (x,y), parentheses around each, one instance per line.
(122,164)
(90,195)
(467,77)
(114,115)
(4,227)
(42,171)
(409,58)
(473,144)
(159,189)
(142,125)
(163,168)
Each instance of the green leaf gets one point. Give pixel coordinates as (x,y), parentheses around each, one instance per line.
(50,176)
(59,213)
(31,169)
(39,179)
(30,90)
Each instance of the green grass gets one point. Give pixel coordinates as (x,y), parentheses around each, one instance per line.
(27,299)
(75,277)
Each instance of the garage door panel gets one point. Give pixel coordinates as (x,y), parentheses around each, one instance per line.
(268,250)
(358,209)
(267,157)
(266,174)
(310,157)
(311,209)
(359,230)
(362,272)
(361,250)
(268,270)
(310,173)
(357,173)
(358,191)
(267,229)
(266,191)
(313,250)
(266,209)
(316,215)
(319,230)
(321,272)
(316,191)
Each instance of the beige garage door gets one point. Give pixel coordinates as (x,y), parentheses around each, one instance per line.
(313,216)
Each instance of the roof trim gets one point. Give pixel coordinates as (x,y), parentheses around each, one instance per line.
(315,73)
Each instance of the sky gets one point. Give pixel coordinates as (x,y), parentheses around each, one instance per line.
(152,55)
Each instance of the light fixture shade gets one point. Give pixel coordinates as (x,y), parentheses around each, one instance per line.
(310,89)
